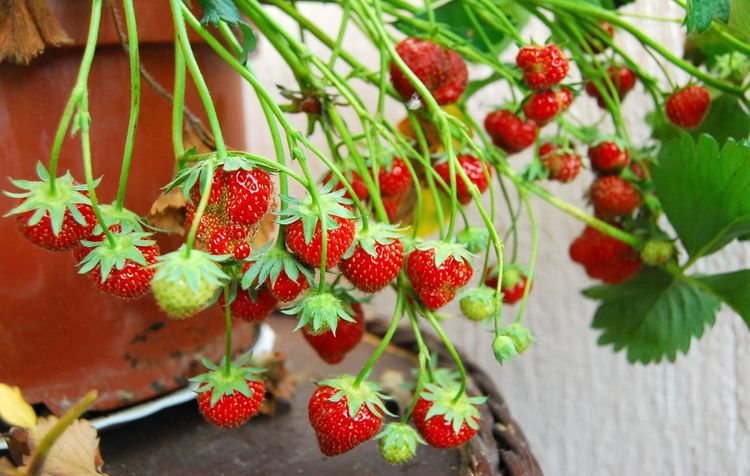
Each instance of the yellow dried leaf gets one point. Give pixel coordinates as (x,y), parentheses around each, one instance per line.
(75,453)
(14,409)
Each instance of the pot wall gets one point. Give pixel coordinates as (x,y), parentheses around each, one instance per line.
(60,337)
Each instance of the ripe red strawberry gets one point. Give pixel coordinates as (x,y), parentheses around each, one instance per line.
(613,196)
(249,195)
(561,165)
(57,220)
(241,194)
(509,132)
(688,106)
(514,284)
(303,236)
(251,306)
(473,168)
(604,257)
(437,270)
(392,205)
(358,185)
(542,107)
(133,278)
(345,415)
(333,348)
(375,259)
(442,71)
(543,66)
(443,422)
(623,79)
(394,179)
(608,159)
(229,396)
(270,266)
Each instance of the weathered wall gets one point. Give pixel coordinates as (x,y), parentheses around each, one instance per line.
(585,410)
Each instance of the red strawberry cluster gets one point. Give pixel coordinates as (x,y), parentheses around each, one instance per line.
(238,200)
(604,257)
(542,66)
(442,71)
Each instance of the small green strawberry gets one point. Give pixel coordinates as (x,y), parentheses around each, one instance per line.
(480,303)
(657,252)
(186,284)
(504,348)
(520,336)
(398,443)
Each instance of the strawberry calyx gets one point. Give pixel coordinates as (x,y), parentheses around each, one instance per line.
(365,393)
(444,250)
(480,303)
(319,312)
(268,263)
(475,239)
(456,412)
(126,219)
(520,336)
(504,348)
(188,177)
(329,205)
(398,442)
(376,233)
(225,380)
(115,254)
(38,197)
(190,270)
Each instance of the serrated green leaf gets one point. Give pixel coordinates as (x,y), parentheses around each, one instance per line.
(451,16)
(704,192)
(733,289)
(215,11)
(739,19)
(700,13)
(653,315)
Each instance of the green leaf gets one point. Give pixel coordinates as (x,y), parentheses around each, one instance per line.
(700,13)
(733,289)
(704,191)
(725,119)
(739,19)
(653,315)
(215,11)
(609,4)
(451,16)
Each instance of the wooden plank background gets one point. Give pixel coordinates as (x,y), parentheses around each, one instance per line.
(585,410)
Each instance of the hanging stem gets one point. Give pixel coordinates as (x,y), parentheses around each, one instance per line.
(228,324)
(178,103)
(395,319)
(135,99)
(451,350)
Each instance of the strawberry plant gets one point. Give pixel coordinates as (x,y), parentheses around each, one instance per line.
(414,193)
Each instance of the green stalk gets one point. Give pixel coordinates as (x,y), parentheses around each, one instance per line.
(395,319)
(532,259)
(178,103)
(228,324)
(135,99)
(451,350)
(79,89)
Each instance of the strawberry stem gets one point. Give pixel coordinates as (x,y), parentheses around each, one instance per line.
(451,350)
(178,105)
(135,97)
(425,371)
(398,312)
(532,259)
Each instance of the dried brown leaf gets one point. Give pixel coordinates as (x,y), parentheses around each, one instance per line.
(26,26)
(279,383)
(75,453)
(167,212)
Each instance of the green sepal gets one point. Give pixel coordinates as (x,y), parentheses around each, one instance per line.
(188,177)
(38,197)
(128,220)
(398,442)
(444,250)
(269,262)
(504,349)
(109,256)
(521,336)
(319,312)
(377,233)
(366,393)
(330,204)
(178,266)
(475,239)
(455,413)
(220,382)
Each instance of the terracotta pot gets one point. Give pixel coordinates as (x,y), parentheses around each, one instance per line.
(59,336)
